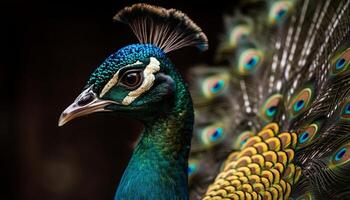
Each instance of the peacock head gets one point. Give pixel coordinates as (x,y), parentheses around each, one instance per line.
(139,80)
(135,80)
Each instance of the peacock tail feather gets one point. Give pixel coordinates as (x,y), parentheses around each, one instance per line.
(272,119)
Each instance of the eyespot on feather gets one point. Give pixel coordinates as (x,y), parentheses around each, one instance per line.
(192,168)
(215,85)
(306,135)
(212,135)
(300,102)
(345,113)
(341,62)
(278,11)
(270,107)
(341,156)
(249,60)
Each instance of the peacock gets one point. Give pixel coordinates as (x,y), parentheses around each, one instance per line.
(270,121)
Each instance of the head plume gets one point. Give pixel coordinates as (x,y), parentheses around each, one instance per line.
(168,29)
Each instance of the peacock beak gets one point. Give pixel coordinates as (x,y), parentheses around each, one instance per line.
(86,103)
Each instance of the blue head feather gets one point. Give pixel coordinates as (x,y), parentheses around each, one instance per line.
(125,56)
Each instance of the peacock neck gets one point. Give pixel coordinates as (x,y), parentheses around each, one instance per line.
(158,167)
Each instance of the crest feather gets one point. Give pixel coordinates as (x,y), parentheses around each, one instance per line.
(168,29)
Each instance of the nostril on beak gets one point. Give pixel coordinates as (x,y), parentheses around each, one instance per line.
(86,99)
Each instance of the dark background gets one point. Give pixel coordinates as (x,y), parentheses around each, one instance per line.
(48,50)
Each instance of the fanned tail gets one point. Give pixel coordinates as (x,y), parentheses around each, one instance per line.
(288,63)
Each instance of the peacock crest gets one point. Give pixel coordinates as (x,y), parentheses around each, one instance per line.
(168,29)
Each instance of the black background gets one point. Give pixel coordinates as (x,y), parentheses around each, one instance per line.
(48,50)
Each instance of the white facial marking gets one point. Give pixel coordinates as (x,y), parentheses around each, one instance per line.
(114,80)
(148,80)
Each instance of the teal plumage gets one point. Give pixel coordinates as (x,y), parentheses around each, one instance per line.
(158,168)
(140,82)
(271,121)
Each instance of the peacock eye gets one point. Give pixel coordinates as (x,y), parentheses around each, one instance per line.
(270,108)
(212,135)
(132,79)
(278,11)
(192,169)
(300,102)
(249,60)
(215,85)
(346,111)
(306,135)
(341,156)
(341,62)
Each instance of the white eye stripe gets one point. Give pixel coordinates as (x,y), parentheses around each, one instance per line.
(110,84)
(148,80)
(114,80)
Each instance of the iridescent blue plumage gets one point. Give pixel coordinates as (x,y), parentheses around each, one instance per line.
(125,56)
(140,82)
